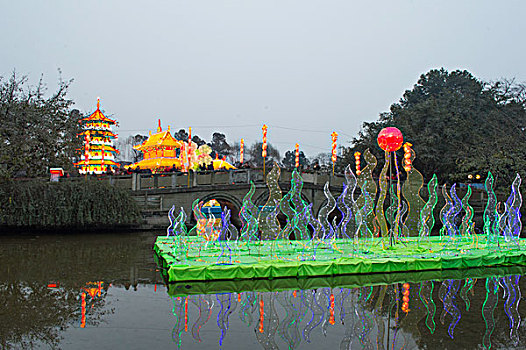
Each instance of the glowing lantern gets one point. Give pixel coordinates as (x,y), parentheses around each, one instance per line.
(334,136)
(407,157)
(241,151)
(357,161)
(297,156)
(390,139)
(264,151)
(83,310)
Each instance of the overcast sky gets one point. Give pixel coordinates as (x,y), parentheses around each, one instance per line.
(305,68)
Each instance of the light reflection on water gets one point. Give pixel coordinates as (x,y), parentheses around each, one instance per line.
(43,280)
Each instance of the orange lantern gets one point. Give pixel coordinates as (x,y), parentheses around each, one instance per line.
(357,161)
(264,151)
(407,157)
(297,156)
(241,151)
(334,139)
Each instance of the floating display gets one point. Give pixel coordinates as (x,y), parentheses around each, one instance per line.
(361,231)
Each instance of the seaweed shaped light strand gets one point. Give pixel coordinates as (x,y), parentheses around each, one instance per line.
(514,224)
(368,186)
(274,199)
(490,212)
(466,227)
(299,224)
(249,213)
(411,192)
(323,215)
(427,220)
(349,203)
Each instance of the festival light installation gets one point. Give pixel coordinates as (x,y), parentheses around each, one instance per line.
(159,151)
(241,151)
(99,151)
(264,146)
(390,140)
(306,244)
(297,158)
(334,137)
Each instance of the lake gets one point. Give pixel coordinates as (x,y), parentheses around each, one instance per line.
(104,290)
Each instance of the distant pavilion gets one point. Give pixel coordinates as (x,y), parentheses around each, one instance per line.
(160,152)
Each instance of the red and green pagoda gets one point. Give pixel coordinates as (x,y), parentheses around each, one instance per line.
(99,152)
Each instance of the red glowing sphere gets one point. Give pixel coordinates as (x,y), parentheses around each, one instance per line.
(390,139)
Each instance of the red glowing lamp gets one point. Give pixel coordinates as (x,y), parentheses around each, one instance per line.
(390,139)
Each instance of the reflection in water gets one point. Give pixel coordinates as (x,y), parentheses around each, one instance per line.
(371,317)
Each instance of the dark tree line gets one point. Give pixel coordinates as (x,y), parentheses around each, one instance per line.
(37,132)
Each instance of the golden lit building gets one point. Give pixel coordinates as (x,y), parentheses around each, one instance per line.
(99,153)
(159,151)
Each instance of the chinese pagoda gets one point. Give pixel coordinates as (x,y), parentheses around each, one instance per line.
(99,153)
(159,152)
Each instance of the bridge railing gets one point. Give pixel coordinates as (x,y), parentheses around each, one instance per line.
(137,182)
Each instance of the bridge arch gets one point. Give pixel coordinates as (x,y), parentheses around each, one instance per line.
(228,200)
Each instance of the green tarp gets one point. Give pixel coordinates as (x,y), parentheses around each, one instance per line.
(212,261)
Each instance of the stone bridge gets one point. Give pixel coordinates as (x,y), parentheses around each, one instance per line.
(156,193)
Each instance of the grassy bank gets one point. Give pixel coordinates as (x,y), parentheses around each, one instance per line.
(86,205)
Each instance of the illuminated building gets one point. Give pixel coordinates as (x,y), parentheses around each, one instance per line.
(99,154)
(159,151)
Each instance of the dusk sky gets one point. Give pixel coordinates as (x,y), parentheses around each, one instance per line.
(305,68)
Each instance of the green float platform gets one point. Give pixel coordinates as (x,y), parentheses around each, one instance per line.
(293,259)
(178,289)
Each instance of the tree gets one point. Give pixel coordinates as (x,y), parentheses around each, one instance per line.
(37,132)
(256,158)
(126,151)
(219,145)
(235,153)
(289,160)
(458,125)
(181,135)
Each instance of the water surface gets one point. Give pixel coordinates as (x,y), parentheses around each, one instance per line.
(104,290)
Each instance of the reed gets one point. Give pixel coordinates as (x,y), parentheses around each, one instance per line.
(73,204)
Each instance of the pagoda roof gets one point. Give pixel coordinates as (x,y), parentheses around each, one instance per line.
(158,140)
(106,148)
(96,162)
(98,116)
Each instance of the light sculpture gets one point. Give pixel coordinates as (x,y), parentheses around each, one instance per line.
(264,146)
(99,151)
(334,137)
(241,151)
(411,193)
(390,140)
(297,159)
